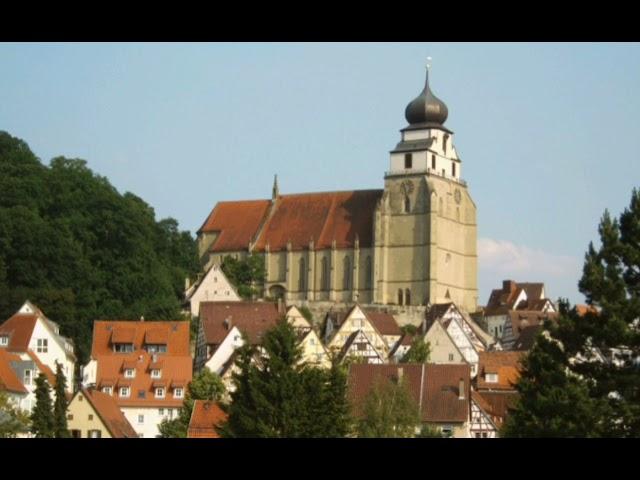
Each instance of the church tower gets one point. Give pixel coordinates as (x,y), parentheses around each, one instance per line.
(425,223)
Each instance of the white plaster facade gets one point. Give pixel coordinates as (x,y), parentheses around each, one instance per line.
(214,287)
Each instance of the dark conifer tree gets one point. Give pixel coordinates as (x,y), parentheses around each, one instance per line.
(42,424)
(60,405)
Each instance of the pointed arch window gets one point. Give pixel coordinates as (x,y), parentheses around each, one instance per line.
(399,296)
(324,274)
(407,297)
(407,204)
(368,272)
(346,281)
(433,162)
(302,281)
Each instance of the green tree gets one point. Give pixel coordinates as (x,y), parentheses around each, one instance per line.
(582,376)
(12,420)
(419,351)
(389,411)
(247,274)
(205,385)
(60,405)
(105,256)
(42,423)
(278,395)
(430,431)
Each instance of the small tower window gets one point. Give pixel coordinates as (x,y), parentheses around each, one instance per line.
(407,204)
(453,169)
(399,296)
(433,162)
(444,143)
(408,160)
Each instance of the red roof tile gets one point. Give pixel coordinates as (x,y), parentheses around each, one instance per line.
(384,322)
(251,318)
(238,223)
(434,388)
(110,414)
(205,417)
(505,364)
(19,328)
(499,404)
(8,378)
(323,217)
(177,334)
(175,369)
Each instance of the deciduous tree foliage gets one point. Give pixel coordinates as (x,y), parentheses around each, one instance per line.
(277,395)
(582,378)
(419,352)
(12,420)
(247,275)
(80,250)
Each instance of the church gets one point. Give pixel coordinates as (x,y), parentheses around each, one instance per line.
(411,243)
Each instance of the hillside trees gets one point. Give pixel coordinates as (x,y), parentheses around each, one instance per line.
(80,250)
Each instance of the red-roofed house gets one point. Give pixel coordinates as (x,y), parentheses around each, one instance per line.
(93,414)
(441,392)
(32,344)
(145,366)
(205,417)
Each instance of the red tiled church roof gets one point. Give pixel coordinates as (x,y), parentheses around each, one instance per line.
(323,217)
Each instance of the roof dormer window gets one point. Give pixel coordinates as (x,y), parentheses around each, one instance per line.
(159,392)
(124,392)
(155,373)
(491,378)
(129,373)
(123,347)
(178,392)
(156,348)
(4,340)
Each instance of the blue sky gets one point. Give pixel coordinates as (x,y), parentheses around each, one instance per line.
(548,133)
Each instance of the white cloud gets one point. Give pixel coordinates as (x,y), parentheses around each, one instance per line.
(511,260)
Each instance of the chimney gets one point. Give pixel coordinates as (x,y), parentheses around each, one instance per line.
(461,389)
(142,318)
(508,286)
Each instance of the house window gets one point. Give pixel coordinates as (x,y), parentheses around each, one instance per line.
(106,390)
(155,373)
(4,341)
(433,162)
(90,417)
(491,378)
(444,174)
(70,417)
(178,392)
(140,418)
(170,410)
(76,434)
(408,161)
(451,357)
(161,411)
(447,431)
(159,392)
(129,373)
(28,377)
(95,434)
(43,345)
(312,341)
(124,391)
(453,169)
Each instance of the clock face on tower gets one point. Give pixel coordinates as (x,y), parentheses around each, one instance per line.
(457,195)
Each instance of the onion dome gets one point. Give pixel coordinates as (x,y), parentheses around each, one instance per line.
(426,108)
